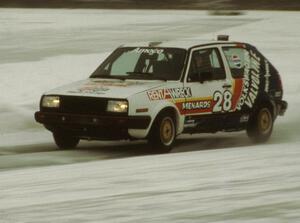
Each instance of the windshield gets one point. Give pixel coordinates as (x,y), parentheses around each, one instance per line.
(143,63)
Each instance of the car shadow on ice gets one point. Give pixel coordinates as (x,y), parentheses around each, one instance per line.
(199,142)
(185,143)
(117,149)
(126,148)
(23,149)
(46,154)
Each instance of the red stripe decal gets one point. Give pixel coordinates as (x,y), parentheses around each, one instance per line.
(238,87)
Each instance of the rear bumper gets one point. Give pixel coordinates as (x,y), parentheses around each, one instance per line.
(282,107)
(92,126)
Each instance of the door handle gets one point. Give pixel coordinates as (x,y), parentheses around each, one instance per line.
(227,86)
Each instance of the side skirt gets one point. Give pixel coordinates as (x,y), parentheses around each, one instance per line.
(228,122)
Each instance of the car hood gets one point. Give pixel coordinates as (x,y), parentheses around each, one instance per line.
(106,88)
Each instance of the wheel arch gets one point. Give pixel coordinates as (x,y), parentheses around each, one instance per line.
(266,100)
(173,110)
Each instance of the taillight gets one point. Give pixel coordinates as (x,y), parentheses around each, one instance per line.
(279,82)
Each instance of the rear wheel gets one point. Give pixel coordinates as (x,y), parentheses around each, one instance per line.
(260,125)
(163,133)
(65,141)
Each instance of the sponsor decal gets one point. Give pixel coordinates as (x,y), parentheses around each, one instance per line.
(113,83)
(222,101)
(251,80)
(91,88)
(189,122)
(196,105)
(148,51)
(244,118)
(170,93)
(236,60)
(237,92)
(100,87)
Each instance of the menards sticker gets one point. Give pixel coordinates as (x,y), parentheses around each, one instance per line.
(170,93)
(195,105)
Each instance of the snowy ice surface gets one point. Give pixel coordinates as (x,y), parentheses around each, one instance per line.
(207,178)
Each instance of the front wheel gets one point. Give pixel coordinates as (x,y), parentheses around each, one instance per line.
(260,125)
(163,133)
(65,141)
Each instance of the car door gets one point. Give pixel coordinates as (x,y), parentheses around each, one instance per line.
(238,59)
(209,81)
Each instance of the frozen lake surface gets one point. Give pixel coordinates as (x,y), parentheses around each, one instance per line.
(206,178)
(36,34)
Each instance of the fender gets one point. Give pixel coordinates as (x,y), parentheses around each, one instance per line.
(266,99)
(142,133)
(168,104)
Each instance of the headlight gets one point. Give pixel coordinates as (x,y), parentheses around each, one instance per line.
(117,106)
(50,101)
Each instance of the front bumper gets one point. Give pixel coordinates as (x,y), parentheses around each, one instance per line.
(92,126)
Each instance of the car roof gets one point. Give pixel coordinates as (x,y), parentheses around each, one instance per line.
(184,43)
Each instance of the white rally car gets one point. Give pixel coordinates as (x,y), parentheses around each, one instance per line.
(160,90)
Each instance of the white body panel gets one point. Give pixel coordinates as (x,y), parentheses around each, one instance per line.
(154,105)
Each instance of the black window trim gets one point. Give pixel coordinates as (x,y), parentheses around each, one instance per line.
(188,67)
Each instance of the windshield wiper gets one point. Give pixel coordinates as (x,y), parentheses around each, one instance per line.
(139,73)
(160,78)
(110,77)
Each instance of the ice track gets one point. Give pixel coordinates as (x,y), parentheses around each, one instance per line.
(206,178)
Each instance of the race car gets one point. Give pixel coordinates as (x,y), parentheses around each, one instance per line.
(157,90)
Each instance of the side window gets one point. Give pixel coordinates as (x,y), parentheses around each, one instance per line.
(214,59)
(236,60)
(208,63)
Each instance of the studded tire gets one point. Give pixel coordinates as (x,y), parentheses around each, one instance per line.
(163,133)
(260,125)
(65,141)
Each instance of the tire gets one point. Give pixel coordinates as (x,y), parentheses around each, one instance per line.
(65,141)
(260,125)
(163,133)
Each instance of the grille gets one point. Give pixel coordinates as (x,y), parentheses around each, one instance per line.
(81,105)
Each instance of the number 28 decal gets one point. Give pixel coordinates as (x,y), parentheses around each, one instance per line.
(222,101)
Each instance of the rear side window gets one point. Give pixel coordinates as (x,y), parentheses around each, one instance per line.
(236,60)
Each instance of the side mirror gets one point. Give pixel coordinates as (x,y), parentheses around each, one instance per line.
(205,76)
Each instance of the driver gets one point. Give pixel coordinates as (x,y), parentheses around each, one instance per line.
(202,61)
(200,64)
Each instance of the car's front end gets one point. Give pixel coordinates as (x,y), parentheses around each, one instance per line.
(92,110)
(114,102)
(89,117)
